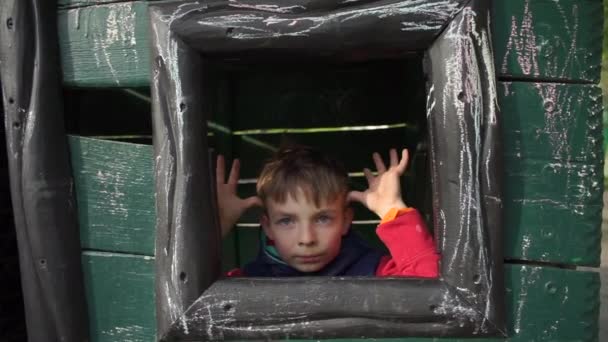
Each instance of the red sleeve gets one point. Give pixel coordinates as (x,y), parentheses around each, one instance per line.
(235,273)
(411,246)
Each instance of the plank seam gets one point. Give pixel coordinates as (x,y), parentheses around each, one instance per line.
(546,80)
(62,8)
(93,251)
(547,264)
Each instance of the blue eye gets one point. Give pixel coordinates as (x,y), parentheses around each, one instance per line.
(324,219)
(285,221)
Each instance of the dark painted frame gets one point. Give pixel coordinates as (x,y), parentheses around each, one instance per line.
(42,187)
(466,159)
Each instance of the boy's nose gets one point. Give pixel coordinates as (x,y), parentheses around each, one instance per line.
(307,237)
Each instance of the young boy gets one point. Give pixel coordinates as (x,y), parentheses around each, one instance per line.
(306,223)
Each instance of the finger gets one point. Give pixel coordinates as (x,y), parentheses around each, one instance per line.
(393,157)
(369,175)
(356,196)
(234,172)
(219,170)
(379,163)
(405,156)
(253,201)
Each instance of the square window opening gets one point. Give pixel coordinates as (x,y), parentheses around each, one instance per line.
(347,109)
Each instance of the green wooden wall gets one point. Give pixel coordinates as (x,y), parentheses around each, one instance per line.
(548,55)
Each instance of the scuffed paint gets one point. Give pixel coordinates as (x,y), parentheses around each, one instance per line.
(127,333)
(435,12)
(530,48)
(529,278)
(112,32)
(110,184)
(522,42)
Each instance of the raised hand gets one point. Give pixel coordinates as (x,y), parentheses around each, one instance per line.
(384,190)
(231,206)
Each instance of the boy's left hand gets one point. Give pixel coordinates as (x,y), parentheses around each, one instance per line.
(384,190)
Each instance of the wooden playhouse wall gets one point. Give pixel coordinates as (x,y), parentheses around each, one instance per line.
(548,55)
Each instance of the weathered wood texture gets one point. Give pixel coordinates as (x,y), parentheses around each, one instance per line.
(120,296)
(115,194)
(548,40)
(107,44)
(553,171)
(66,4)
(543,303)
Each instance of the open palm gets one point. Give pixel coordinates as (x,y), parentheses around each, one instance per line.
(384,189)
(231,206)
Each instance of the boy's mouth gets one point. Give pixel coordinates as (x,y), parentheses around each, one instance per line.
(309,259)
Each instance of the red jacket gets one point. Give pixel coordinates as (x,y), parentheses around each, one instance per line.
(411,246)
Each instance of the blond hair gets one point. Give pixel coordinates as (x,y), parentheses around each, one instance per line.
(320,177)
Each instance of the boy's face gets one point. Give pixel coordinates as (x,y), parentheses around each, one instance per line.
(307,237)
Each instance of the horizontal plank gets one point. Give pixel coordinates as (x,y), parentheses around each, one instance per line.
(549,40)
(64,4)
(553,212)
(552,121)
(115,195)
(543,303)
(120,296)
(553,171)
(535,181)
(107,45)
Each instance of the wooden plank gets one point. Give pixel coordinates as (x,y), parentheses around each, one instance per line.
(115,195)
(65,4)
(548,40)
(107,45)
(553,212)
(553,171)
(552,121)
(120,296)
(543,303)
(114,191)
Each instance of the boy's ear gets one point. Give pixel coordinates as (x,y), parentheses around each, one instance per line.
(348,219)
(265,223)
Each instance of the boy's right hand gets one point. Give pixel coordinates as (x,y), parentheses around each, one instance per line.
(230,205)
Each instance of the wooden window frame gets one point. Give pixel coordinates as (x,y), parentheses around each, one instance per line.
(194,303)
